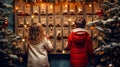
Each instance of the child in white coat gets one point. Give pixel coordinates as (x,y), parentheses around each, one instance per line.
(38,45)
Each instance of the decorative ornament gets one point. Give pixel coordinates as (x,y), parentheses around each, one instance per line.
(100,12)
(21,13)
(5,24)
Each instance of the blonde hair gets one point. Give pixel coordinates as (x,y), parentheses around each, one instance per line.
(35,34)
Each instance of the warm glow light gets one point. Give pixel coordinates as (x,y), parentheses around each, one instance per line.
(69,19)
(90,5)
(95,35)
(79,9)
(35,11)
(65,22)
(23,40)
(110,65)
(42,5)
(19,28)
(19,11)
(20,34)
(63,51)
(71,10)
(66,5)
(25,26)
(51,6)
(65,10)
(100,38)
(27,5)
(27,22)
(16,8)
(73,23)
(32,16)
(21,59)
(21,22)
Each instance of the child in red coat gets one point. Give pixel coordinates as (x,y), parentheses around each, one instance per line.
(80,45)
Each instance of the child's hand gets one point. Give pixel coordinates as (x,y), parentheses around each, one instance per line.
(66,48)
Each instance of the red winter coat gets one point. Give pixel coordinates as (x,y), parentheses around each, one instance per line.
(80,46)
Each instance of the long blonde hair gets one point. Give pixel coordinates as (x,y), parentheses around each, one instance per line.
(36,34)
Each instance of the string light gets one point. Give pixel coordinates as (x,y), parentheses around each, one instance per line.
(26,22)
(42,5)
(110,65)
(25,26)
(79,9)
(20,34)
(90,5)
(63,51)
(66,5)
(71,10)
(32,16)
(51,6)
(23,40)
(65,10)
(69,20)
(16,8)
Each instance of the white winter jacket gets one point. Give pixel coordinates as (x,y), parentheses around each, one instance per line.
(37,54)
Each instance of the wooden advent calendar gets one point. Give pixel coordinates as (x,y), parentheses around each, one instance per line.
(56,18)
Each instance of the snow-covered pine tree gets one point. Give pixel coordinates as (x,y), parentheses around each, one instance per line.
(8,50)
(107,54)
